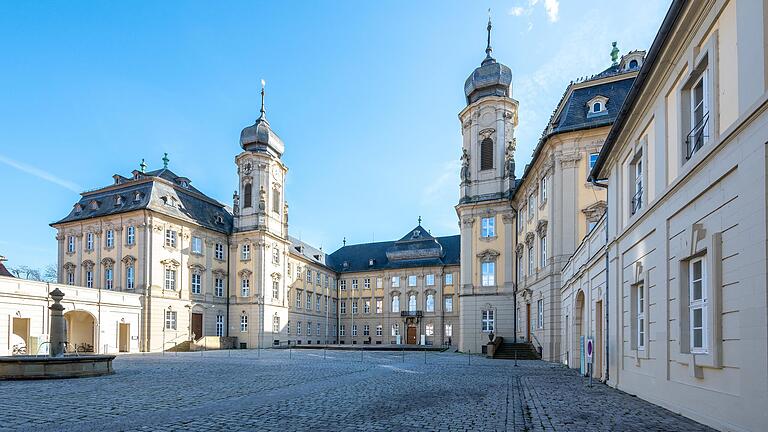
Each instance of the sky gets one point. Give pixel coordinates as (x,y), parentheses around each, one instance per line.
(365,96)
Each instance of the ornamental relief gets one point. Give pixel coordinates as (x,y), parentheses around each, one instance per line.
(128,259)
(469,220)
(88,264)
(529,239)
(69,266)
(486,133)
(541,228)
(488,255)
(170,262)
(107,262)
(519,248)
(245,273)
(595,211)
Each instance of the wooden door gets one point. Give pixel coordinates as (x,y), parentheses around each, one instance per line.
(411,335)
(197,326)
(124,337)
(528,322)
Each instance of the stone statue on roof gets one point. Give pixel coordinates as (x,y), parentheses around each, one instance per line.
(465,166)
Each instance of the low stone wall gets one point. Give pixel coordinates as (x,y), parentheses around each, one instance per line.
(41,367)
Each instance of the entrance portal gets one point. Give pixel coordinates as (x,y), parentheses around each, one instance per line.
(123,337)
(81,328)
(20,343)
(411,336)
(197,326)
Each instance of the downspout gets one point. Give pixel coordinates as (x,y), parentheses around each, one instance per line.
(514,266)
(229,272)
(607,292)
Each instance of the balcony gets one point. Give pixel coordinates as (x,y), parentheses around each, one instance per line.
(696,137)
(637,201)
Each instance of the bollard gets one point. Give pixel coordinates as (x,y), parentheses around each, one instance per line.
(469,357)
(425,355)
(361,355)
(515,358)
(403,353)
(324,349)
(290,352)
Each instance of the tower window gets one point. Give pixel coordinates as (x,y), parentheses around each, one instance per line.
(486,154)
(276,201)
(633,64)
(247,195)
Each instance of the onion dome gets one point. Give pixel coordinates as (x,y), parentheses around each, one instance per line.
(490,79)
(259,137)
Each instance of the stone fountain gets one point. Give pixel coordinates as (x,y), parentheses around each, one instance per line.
(58,363)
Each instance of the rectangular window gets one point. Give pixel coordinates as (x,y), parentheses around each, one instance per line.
(395,329)
(449,278)
(197,245)
(366,330)
(71,244)
(543,251)
(110,238)
(488,273)
(243,323)
(275,290)
(395,281)
(520,219)
(449,330)
(309,275)
(486,154)
(317,302)
(298,328)
(543,189)
(89,241)
(430,280)
(396,303)
(170,238)
(129,277)
(379,282)
(641,304)
(520,268)
(531,205)
(449,304)
(275,255)
(354,307)
(488,227)
(367,283)
(697,295)
(343,285)
(130,236)
(170,278)
(318,330)
(219,287)
(245,287)
(219,251)
(298,272)
(593,160)
(89,278)
(487,321)
(342,330)
(70,277)
(412,281)
(698,135)
(354,329)
(354,284)
(170,320)
(343,307)
(196,286)
(276,324)
(288,327)
(636,168)
(108,282)
(379,305)
(309,328)
(276,200)
(540,313)
(220,325)
(309,301)
(245,252)
(366,306)
(379,330)
(429,329)
(531,261)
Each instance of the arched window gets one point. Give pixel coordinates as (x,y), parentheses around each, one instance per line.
(597,107)
(396,303)
(412,303)
(633,64)
(247,195)
(486,154)
(430,302)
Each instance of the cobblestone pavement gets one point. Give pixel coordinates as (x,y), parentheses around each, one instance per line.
(278,390)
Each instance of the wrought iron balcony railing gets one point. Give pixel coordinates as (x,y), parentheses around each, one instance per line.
(696,137)
(417,314)
(637,201)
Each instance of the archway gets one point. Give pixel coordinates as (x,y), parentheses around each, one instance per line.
(81,331)
(578,331)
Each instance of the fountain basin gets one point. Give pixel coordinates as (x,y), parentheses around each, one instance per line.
(44,367)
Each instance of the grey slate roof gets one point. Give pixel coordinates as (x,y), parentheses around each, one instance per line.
(422,250)
(158,191)
(309,252)
(574,115)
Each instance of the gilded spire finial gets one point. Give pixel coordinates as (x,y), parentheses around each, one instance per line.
(419,220)
(165,160)
(263,110)
(143,165)
(488,48)
(344,241)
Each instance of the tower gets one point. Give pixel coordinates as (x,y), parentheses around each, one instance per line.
(485,216)
(259,245)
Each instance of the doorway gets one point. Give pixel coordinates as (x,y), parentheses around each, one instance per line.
(20,341)
(411,335)
(197,326)
(81,331)
(124,337)
(528,322)
(598,360)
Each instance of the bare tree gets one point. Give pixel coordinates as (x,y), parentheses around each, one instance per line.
(50,273)
(26,272)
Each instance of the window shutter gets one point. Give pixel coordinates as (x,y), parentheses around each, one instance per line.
(486,154)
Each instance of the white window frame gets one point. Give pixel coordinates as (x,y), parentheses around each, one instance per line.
(543,189)
(430,303)
(430,279)
(71,244)
(488,271)
(243,323)
(110,238)
(130,277)
(218,287)
(343,285)
(89,278)
(196,281)
(395,304)
(429,329)
(367,283)
(543,250)
(449,278)
(379,305)
(701,304)
(170,320)
(448,304)
(540,314)
(640,297)
(412,303)
(197,245)
(219,325)
(109,275)
(219,251)
(170,278)
(245,252)
(487,320)
(379,330)
(395,281)
(170,238)
(354,284)
(275,289)
(89,241)
(245,287)
(366,306)
(488,227)
(448,330)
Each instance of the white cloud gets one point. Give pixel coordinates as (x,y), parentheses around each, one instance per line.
(553,10)
(41,174)
(517,11)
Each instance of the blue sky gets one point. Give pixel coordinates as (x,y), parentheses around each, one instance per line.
(364,94)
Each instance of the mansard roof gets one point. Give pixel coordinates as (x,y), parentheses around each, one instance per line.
(309,252)
(418,248)
(161,191)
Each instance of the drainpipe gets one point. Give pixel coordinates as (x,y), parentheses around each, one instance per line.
(229,273)
(596,183)
(515,269)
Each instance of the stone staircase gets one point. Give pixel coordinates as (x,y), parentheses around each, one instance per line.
(521,351)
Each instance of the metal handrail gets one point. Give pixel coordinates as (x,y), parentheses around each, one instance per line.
(540,348)
(637,200)
(695,138)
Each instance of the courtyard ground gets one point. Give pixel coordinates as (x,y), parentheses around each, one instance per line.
(281,390)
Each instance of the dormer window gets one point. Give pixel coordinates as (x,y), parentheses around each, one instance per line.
(118,200)
(219,220)
(137,197)
(78,208)
(94,205)
(597,106)
(633,64)
(370,262)
(345,264)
